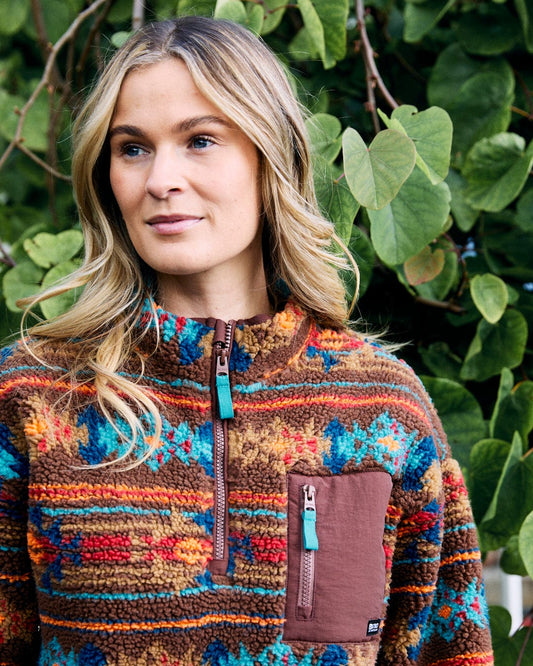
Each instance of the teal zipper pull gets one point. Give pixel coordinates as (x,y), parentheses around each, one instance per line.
(309,518)
(225,403)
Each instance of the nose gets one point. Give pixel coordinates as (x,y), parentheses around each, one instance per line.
(166,175)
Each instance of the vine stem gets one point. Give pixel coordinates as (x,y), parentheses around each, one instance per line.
(17,140)
(524,645)
(137,14)
(373,77)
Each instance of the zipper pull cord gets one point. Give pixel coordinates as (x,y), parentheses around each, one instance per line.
(309,518)
(225,403)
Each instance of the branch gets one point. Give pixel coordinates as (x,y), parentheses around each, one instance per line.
(43,164)
(90,39)
(137,14)
(5,257)
(42,39)
(443,305)
(46,77)
(373,77)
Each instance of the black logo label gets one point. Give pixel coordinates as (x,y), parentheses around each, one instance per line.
(373,627)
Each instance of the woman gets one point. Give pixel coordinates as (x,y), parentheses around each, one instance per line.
(200,463)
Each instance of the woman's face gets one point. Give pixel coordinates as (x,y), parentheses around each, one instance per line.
(185,178)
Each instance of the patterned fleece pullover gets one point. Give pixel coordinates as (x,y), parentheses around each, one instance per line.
(301,508)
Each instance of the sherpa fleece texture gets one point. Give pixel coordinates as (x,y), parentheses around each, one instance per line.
(113,566)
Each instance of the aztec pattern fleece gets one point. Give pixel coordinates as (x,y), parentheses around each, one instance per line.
(334,530)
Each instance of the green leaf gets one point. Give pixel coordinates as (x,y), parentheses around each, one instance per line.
(514,412)
(313,26)
(509,650)
(335,198)
(431,131)
(490,296)
(441,360)
(489,30)
(477,95)
(20,282)
(525,12)
(460,414)
(414,218)
(524,211)
(496,170)
(487,459)
(324,133)
(512,501)
(465,216)
(36,122)
(56,305)
(195,7)
(420,18)
(481,110)
(47,250)
(525,543)
(13,14)
(424,266)
(254,18)
(504,391)
(438,288)
(232,10)
(511,561)
(496,346)
(333,14)
(274,12)
(362,251)
(57,15)
(376,174)
(119,38)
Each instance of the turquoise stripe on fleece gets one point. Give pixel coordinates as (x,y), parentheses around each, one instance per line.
(132,510)
(426,560)
(41,368)
(128,596)
(259,386)
(260,512)
(12,549)
(460,528)
(248,389)
(176,383)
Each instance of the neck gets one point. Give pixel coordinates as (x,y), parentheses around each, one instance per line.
(199,297)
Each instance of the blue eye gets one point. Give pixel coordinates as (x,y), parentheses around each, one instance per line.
(131,150)
(200,142)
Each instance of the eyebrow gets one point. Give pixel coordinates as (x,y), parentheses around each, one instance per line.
(185,125)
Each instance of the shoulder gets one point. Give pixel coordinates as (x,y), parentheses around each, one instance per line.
(26,362)
(375,381)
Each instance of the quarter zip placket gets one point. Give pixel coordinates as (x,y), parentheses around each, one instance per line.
(222,411)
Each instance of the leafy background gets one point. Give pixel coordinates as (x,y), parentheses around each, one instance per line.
(421,124)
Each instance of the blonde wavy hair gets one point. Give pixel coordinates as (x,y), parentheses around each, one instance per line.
(241,76)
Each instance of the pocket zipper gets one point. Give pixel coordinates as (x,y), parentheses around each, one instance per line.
(308,553)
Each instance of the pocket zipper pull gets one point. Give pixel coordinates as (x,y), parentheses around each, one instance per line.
(309,518)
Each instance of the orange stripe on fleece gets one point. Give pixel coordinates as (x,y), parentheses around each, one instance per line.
(196,623)
(87,492)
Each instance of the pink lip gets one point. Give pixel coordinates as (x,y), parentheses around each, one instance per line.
(172,224)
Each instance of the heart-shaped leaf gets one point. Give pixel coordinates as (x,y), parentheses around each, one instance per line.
(490,296)
(47,250)
(424,266)
(376,174)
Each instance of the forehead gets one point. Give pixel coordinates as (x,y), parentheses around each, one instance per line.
(165,85)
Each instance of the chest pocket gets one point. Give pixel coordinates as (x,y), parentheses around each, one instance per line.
(336,561)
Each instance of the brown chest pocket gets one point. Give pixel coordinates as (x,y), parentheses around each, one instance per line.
(336,561)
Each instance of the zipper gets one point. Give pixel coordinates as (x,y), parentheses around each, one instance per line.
(306,586)
(222,410)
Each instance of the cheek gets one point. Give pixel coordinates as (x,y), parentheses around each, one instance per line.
(123,187)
